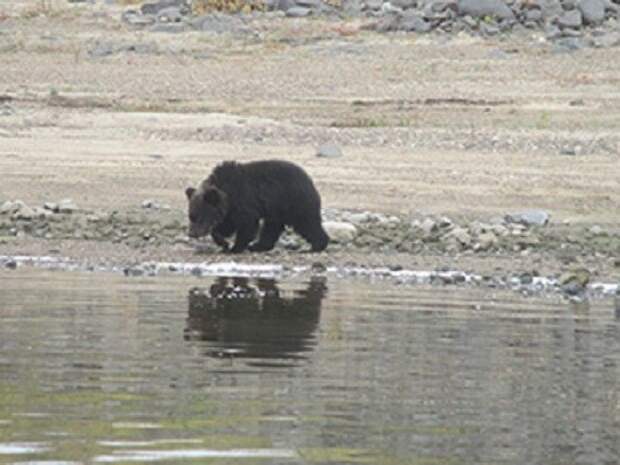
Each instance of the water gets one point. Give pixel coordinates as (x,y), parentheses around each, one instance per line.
(96,368)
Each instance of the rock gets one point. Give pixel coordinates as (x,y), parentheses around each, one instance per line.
(359,218)
(529,218)
(439,6)
(340,231)
(592,11)
(9,207)
(51,206)
(404,4)
(373,4)
(388,8)
(429,227)
(570,19)
(534,15)
(134,18)
(24,213)
(486,241)
(67,206)
(483,8)
(218,23)
(548,8)
(157,7)
(150,203)
(313,4)
(101,50)
(413,23)
(596,230)
(171,14)
(298,12)
(10,264)
(329,150)
(611,39)
(575,281)
(133,271)
(489,29)
(388,23)
(171,28)
(568,44)
(461,235)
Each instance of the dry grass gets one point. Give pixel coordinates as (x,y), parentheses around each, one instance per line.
(200,7)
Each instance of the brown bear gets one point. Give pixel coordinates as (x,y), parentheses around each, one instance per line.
(236,196)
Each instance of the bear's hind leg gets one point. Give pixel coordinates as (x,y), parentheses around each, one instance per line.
(313,232)
(269,235)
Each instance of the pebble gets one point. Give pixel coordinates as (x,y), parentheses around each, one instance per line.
(329,150)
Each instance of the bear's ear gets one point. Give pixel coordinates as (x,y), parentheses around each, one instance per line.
(212,196)
(189,192)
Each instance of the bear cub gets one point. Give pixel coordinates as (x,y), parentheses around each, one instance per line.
(236,196)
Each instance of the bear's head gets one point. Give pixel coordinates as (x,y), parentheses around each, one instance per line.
(207,208)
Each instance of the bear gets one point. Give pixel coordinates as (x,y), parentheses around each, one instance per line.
(237,196)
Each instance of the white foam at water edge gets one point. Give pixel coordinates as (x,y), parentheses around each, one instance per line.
(148,443)
(46,462)
(154,455)
(11,448)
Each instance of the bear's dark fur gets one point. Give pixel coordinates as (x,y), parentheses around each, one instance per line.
(236,196)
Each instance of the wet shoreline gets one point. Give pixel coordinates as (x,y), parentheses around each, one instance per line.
(521,283)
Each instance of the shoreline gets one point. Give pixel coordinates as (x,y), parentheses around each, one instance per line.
(520,284)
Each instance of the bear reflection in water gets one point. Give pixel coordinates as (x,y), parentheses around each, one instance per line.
(251,319)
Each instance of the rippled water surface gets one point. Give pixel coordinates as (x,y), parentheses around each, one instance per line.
(96,368)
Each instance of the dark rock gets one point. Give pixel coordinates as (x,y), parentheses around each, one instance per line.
(314,4)
(568,5)
(483,8)
(569,32)
(10,264)
(442,5)
(101,50)
(285,5)
(402,4)
(570,19)
(549,8)
(533,15)
(593,11)
(414,23)
(133,271)
(298,12)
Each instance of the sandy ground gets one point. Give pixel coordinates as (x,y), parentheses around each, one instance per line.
(428,125)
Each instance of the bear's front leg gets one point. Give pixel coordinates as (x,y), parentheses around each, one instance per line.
(223,230)
(220,240)
(246,233)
